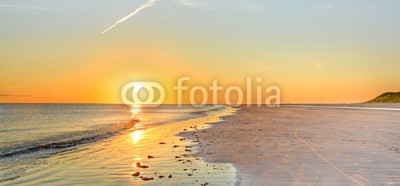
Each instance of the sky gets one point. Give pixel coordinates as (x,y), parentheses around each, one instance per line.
(316,51)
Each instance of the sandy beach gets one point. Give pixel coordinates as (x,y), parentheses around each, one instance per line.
(301,146)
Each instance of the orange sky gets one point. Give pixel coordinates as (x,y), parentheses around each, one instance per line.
(345,54)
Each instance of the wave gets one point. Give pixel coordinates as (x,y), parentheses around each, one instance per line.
(68,140)
(72,139)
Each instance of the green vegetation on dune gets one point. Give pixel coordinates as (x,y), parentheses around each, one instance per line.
(388,97)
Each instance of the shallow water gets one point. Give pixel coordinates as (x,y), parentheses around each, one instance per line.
(111,158)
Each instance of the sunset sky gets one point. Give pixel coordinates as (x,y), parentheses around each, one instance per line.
(316,51)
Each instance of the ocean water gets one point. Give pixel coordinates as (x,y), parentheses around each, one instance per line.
(82,144)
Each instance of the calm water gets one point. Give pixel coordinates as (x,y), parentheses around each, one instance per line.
(51,143)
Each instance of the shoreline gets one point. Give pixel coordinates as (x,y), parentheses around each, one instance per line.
(308,145)
(142,155)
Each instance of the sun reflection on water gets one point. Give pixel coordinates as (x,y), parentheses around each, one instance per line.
(136,136)
(135,110)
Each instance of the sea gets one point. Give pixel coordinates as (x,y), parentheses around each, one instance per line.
(102,144)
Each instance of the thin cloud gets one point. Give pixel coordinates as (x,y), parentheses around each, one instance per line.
(13,95)
(27,7)
(192,3)
(148,4)
(395,53)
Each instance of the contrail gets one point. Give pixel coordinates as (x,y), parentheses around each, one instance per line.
(144,6)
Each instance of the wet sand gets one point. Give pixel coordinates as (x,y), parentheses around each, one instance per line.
(296,146)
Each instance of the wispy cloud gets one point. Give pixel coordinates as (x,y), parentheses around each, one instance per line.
(192,3)
(394,53)
(27,7)
(13,95)
(144,6)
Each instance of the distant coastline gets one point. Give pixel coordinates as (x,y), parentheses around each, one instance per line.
(387,97)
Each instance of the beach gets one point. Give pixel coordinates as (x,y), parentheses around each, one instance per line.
(213,145)
(297,145)
(199,92)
